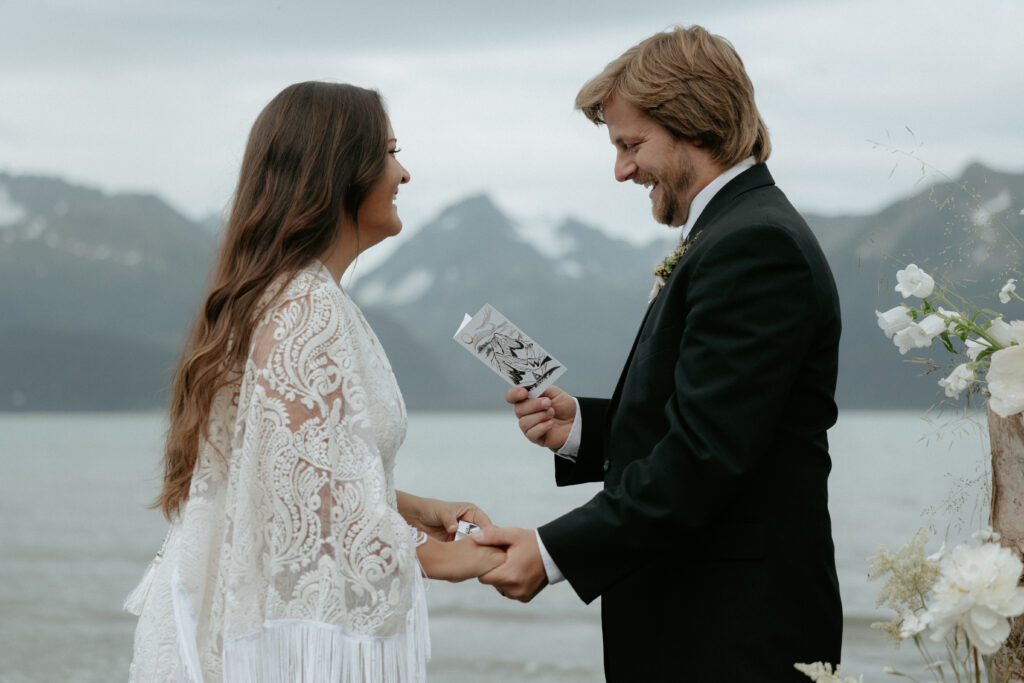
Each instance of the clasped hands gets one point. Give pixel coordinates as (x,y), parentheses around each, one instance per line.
(518,572)
(546,421)
(511,564)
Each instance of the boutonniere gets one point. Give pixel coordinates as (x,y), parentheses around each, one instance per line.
(668,264)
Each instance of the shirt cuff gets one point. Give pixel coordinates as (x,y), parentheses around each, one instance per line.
(550,568)
(571,448)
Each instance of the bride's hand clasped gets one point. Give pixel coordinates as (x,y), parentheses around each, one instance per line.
(439,519)
(458,560)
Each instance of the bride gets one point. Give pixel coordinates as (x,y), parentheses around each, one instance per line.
(290,555)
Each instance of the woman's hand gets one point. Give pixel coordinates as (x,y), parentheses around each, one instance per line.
(438,519)
(459,560)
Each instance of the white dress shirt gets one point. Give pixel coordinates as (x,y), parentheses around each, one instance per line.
(571,448)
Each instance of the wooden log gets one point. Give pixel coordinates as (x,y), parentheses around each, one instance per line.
(1006,437)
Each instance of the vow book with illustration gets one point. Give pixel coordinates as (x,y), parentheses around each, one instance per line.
(508,351)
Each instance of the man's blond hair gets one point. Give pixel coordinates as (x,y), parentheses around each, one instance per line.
(692,83)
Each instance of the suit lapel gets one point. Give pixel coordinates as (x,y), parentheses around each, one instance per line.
(629,358)
(754,177)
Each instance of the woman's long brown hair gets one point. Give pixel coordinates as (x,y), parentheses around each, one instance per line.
(312,156)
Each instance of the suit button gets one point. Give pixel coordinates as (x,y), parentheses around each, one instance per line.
(607,464)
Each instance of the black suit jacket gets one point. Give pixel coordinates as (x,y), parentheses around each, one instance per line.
(711,543)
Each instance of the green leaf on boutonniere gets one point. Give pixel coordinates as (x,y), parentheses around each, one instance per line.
(666,267)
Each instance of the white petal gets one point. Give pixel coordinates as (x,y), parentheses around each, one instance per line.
(1006,381)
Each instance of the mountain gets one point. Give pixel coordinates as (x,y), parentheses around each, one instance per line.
(583,303)
(965,232)
(76,258)
(97,291)
(581,294)
(82,370)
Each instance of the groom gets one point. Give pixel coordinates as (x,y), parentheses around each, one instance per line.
(711,543)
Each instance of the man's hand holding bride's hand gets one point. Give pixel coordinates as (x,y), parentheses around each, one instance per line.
(439,519)
(545,420)
(521,577)
(459,560)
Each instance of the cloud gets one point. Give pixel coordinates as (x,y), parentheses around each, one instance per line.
(160,96)
(102,31)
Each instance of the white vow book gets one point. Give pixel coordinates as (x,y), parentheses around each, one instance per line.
(465,529)
(508,351)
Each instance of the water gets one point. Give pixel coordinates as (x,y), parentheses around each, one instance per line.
(75,537)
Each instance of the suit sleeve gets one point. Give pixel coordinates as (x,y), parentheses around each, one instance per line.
(752,307)
(588,466)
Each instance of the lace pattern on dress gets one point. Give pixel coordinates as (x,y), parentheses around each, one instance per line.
(290,561)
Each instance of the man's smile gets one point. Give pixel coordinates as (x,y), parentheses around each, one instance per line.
(649,183)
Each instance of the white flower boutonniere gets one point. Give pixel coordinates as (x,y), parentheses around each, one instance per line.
(668,264)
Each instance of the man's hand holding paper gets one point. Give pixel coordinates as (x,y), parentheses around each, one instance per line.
(546,420)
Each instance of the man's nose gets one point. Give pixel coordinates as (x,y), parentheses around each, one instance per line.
(625,168)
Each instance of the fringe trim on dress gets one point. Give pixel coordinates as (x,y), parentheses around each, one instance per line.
(137,598)
(189,670)
(294,650)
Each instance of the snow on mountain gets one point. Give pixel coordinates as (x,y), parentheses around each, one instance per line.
(557,279)
(120,277)
(79,258)
(543,234)
(11,212)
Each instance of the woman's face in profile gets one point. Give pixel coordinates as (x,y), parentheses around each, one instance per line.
(378,215)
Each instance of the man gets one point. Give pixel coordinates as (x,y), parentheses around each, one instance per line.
(710,544)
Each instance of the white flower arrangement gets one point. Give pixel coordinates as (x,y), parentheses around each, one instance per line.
(965,596)
(820,672)
(912,281)
(977,591)
(993,347)
(1006,381)
(1008,290)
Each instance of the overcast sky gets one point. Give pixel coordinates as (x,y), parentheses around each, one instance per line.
(133,95)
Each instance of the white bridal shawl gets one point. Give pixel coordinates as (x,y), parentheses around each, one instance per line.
(289,561)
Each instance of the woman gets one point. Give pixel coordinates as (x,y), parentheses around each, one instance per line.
(290,555)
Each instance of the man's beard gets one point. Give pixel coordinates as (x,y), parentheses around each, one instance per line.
(673,207)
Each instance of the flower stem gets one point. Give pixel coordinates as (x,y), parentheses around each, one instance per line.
(971,327)
(977,669)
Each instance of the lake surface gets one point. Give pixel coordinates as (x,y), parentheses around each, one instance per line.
(75,536)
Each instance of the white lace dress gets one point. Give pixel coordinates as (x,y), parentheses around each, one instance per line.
(289,561)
